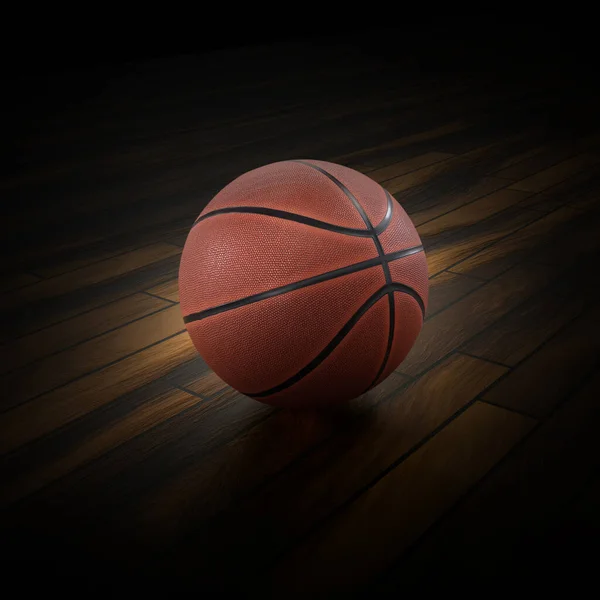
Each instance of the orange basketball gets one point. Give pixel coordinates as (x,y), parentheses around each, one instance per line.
(303,282)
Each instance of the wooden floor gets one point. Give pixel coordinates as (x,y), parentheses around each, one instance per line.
(125,460)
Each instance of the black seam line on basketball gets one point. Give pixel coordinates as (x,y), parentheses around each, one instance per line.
(344,189)
(289,216)
(380,251)
(366,264)
(390,341)
(344,331)
(388,214)
(392,312)
(360,209)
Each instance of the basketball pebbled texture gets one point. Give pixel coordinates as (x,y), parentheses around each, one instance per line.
(303,283)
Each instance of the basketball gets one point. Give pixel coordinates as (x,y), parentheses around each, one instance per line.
(303,283)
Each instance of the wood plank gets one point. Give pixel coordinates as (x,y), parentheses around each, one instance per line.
(78,329)
(539,383)
(531,165)
(574,190)
(585,203)
(181,504)
(65,404)
(544,201)
(17,280)
(502,526)
(407,140)
(207,385)
(512,338)
(508,251)
(322,481)
(168,290)
(454,174)
(134,470)
(551,155)
(516,159)
(60,368)
(142,419)
(24,319)
(574,243)
(86,255)
(189,369)
(555,174)
(446,288)
(478,134)
(471,213)
(452,199)
(93,274)
(425,174)
(43,451)
(447,248)
(450,328)
(178,239)
(396,169)
(366,537)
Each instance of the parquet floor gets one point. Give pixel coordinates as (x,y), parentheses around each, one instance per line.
(124,458)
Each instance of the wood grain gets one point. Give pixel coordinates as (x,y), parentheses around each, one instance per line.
(402,142)
(549,156)
(450,328)
(524,329)
(498,257)
(106,269)
(553,370)
(367,536)
(56,408)
(572,191)
(555,174)
(147,462)
(138,421)
(452,199)
(206,385)
(446,249)
(402,183)
(574,243)
(168,290)
(526,493)
(315,486)
(428,186)
(56,370)
(239,467)
(78,329)
(502,168)
(396,169)
(38,314)
(471,213)
(446,288)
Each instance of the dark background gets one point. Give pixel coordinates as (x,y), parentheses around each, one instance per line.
(55,62)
